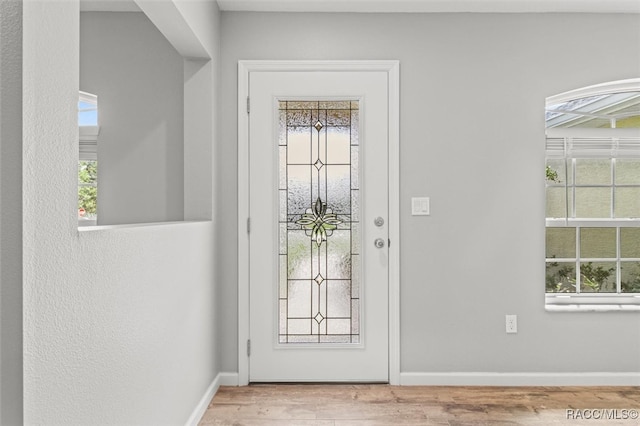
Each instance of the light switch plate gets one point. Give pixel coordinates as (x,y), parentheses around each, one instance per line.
(420,206)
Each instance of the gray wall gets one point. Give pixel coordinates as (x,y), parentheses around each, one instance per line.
(10,212)
(119,323)
(138,77)
(473,89)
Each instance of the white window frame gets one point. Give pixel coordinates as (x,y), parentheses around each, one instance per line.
(572,144)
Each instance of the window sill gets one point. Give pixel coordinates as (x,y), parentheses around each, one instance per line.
(83,229)
(591,308)
(593,302)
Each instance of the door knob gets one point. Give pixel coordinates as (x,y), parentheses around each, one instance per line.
(379,242)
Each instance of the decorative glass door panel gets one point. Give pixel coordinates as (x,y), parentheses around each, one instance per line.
(319,300)
(318,285)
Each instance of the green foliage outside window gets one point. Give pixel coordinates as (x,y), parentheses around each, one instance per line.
(594,278)
(88,193)
(552,175)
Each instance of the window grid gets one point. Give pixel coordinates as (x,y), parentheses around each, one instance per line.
(616,220)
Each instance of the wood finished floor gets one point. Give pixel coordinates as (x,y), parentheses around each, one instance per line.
(360,405)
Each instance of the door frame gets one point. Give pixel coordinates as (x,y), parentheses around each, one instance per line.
(392,68)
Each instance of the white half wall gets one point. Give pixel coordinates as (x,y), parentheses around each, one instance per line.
(120,323)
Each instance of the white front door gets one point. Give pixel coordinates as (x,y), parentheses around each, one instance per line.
(319,211)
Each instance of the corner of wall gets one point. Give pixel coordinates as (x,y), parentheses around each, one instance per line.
(11,388)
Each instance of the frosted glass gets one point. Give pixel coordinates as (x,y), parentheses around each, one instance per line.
(339,298)
(339,117)
(299,118)
(339,255)
(338,188)
(334,105)
(355,168)
(282,169)
(355,277)
(338,147)
(298,149)
(339,326)
(299,256)
(299,298)
(299,189)
(319,233)
(355,129)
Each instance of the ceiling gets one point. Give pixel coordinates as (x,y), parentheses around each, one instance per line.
(397,6)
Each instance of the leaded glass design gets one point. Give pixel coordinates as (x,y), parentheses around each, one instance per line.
(319,300)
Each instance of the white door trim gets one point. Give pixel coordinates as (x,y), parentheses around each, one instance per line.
(392,68)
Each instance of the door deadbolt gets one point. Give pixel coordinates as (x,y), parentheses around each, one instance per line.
(378,221)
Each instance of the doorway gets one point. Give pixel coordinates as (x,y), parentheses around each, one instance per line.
(318,168)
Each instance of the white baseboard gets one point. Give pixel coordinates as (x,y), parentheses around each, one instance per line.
(520,379)
(228,379)
(222,379)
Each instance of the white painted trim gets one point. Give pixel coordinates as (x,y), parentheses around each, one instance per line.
(228,379)
(201,408)
(520,379)
(394,223)
(392,68)
(433,6)
(243,215)
(222,379)
(620,86)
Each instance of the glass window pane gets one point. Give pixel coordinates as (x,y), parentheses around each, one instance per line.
(555,171)
(560,277)
(628,171)
(630,242)
(630,279)
(593,202)
(593,171)
(598,277)
(338,146)
(556,206)
(87,190)
(597,243)
(627,202)
(561,243)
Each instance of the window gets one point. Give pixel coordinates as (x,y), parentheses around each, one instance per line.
(88,159)
(593,197)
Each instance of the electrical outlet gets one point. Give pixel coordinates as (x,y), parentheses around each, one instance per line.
(511,322)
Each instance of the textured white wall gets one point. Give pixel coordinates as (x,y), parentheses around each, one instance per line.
(472,138)
(138,77)
(10,212)
(119,324)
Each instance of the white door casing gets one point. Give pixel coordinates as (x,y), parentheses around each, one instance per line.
(375,84)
